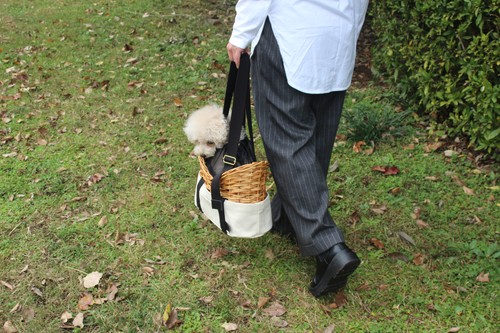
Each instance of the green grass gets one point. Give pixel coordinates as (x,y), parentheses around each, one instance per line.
(87,106)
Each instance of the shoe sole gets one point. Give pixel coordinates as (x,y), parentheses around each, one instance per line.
(338,272)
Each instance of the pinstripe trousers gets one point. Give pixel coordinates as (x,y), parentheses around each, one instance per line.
(298,131)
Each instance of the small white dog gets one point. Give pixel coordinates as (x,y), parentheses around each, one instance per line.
(207,129)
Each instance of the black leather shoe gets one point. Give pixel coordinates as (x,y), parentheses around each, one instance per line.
(332,269)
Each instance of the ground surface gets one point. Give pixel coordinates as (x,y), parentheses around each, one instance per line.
(96,178)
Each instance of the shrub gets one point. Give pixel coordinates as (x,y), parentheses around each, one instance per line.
(367,121)
(443,56)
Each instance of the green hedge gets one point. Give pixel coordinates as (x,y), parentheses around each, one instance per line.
(443,56)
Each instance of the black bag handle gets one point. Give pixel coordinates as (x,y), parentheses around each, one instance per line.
(238,84)
(234,85)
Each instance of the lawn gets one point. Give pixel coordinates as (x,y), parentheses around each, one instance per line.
(96,176)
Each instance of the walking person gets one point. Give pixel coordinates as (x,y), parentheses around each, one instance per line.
(303,54)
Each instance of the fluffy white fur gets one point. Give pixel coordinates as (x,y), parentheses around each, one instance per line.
(207,129)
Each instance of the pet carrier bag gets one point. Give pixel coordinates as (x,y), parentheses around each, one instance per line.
(231,186)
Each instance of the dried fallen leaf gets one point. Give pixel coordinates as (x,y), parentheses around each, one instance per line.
(450,153)
(456,179)
(334,167)
(383,287)
(477,220)
(378,209)
(170,318)
(422,224)
(111,292)
(247,304)
(127,48)
(269,254)
(219,253)
(411,146)
(206,299)
(398,256)
(364,286)
(92,280)
(28,315)
(379,168)
(148,271)
(132,61)
(66,316)
(8,327)
(431,307)
(275,310)
(454,330)
(16,308)
(483,277)
(42,142)
(468,191)
(25,268)
(6,284)
(357,146)
(85,301)
(354,218)
(430,147)
(416,213)
(386,170)
(102,222)
(133,84)
(100,301)
(405,237)
(378,244)
(177,102)
(166,313)
(339,301)
(329,329)
(391,171)
(13,154)
(160,140)
(37,291)
(94,179)
(78,321)
(418,259)
(262,301)
(229,327)
(278,322)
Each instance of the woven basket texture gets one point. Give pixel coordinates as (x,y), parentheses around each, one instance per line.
(243,184)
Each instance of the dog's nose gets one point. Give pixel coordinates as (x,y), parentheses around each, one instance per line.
(203,155)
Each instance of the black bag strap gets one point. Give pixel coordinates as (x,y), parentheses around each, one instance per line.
(230,90)
(201,182)
(238,84)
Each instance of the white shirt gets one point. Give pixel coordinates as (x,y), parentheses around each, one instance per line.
(317,38)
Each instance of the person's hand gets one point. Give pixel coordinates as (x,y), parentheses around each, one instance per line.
(234,53)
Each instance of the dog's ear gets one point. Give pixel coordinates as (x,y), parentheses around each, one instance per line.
(190,131)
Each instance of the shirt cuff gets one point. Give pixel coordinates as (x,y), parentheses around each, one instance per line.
(240,42)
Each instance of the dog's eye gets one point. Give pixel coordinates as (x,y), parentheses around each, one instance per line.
(210,143)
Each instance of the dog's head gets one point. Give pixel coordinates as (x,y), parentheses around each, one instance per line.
(207,129)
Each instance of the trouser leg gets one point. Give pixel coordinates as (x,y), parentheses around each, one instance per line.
(298,132)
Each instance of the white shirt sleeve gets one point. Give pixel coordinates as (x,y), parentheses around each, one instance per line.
(250,17)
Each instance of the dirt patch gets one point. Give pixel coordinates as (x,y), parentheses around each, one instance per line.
(362,75)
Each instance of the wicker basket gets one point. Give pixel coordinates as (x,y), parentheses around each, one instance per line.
(244,184)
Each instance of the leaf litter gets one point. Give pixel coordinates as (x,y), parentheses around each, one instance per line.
(92,280)
(170,318)
(275,310)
